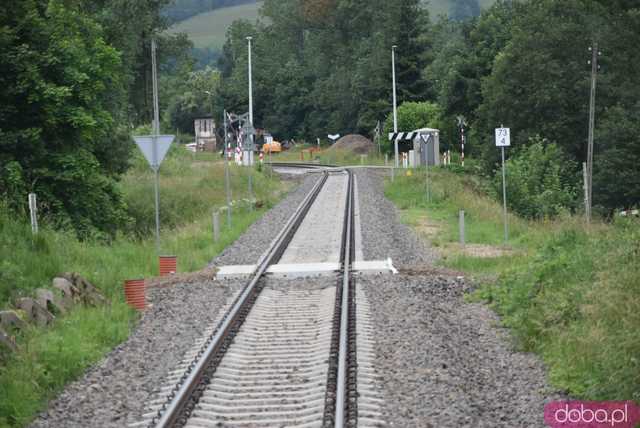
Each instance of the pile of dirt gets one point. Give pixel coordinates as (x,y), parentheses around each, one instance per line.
(354,143)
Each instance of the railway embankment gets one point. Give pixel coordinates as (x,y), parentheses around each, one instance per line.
(565,290)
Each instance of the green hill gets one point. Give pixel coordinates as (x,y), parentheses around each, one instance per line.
(441,7)
(207,30)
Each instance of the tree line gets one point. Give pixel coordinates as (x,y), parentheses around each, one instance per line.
(74,82)
(325,67)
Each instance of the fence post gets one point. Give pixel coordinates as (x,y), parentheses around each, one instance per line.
(33,211)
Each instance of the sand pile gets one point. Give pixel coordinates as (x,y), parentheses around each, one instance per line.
(354,143)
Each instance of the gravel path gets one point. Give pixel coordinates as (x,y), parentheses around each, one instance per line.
(444,362)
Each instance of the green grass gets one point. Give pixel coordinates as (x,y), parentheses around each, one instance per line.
(568,292)
(49,358)
(209,29)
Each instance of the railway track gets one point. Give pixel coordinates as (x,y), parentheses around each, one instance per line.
(285,352)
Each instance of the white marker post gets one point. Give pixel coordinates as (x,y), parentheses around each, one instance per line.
(33,210)
(503,139)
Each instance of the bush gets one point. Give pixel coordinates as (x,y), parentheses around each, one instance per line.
(541,181)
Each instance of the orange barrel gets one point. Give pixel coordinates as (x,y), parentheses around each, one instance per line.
(168,265)
(134,293)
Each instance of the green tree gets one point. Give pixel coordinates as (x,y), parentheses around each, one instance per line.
(540,81)
(195,96)
(616,182)
(59,89)
(412,116)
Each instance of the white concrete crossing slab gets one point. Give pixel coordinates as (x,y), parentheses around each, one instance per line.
(305,270)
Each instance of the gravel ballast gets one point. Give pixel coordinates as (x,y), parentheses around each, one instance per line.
(113,393)
(249,247)
(444,362)
(382,233)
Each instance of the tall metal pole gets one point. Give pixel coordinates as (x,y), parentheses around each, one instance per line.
(395,101)
(227,186)
(504,199)
(250,84)
(592,112)
(156,132)
(250,160)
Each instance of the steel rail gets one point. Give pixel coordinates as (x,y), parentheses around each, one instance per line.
(342,380)
(341,384)
(171,414)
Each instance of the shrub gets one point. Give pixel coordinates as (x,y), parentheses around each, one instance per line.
(541,181)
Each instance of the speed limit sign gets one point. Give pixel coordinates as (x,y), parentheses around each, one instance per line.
(503,137)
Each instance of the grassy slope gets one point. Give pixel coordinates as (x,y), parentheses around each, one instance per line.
(209,29)
(567,292)
(49,358)
(441,7)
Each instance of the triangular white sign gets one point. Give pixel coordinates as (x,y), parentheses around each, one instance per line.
(145,143)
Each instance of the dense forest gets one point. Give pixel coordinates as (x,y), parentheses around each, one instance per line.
(325,66)
(75,83)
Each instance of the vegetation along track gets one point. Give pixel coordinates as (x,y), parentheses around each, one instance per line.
(283,354)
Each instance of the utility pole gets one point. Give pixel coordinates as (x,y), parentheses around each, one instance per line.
(249,38)
(250,84)
(395,104)
(250,152)
(595,53)
(156,132)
